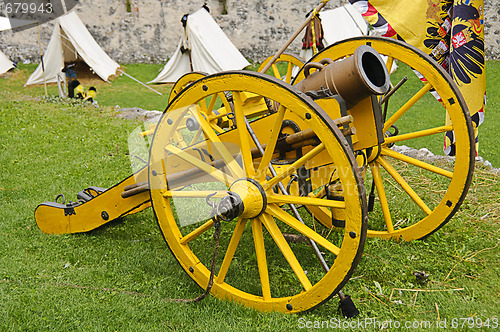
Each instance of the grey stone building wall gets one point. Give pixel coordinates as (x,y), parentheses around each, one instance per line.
(150,30)
(492,29)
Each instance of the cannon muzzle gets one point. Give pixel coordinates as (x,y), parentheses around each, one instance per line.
(353,78)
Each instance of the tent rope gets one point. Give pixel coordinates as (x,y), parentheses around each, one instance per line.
(135,79)
(71,44)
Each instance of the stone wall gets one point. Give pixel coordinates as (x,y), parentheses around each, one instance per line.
(150,30)
(492,29)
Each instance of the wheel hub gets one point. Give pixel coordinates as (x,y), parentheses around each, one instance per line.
(252,195)
(230,207)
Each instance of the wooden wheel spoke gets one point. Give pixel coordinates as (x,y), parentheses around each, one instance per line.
(287,252)
(415,162)
(210,170)
(203,105)
(301,200)
(276,72)
(413,100)
(212,137)
(218,129)
(402,182)
(377,178)
(211,105)
(197,232)
(301,228)
(260,252)
(389,63)
(293,167)
(180,140)
(289,69)
(243,134)
(271,145)
(231,249)
(418,134)
(196,137)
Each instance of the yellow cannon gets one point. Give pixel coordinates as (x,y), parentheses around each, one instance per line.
(286,173)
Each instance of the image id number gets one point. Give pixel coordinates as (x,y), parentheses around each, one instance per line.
(26,8)
(474,322)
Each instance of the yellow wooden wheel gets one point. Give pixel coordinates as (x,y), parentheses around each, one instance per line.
(219,117)
(183,82)
(263,262)
(284,68)
(416,196)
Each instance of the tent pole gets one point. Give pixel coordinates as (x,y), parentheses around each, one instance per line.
(355,22)
(63,3)
(190,60)
(41,58)
(292,38)
(150,88)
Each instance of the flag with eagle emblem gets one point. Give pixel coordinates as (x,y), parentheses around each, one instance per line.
(450,31)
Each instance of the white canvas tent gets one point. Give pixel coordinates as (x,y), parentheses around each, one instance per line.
(5,24)
(343,23)
(12,23)
(5,63)
(209,50)
(339,24)
(70,42)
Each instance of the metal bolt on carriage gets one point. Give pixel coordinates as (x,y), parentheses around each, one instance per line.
(293,170)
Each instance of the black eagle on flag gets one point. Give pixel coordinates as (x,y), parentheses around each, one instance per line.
(467,56)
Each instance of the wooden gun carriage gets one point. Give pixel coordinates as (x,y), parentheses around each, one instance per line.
(293,172)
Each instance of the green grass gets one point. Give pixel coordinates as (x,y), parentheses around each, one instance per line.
(117,277)
(489,140)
